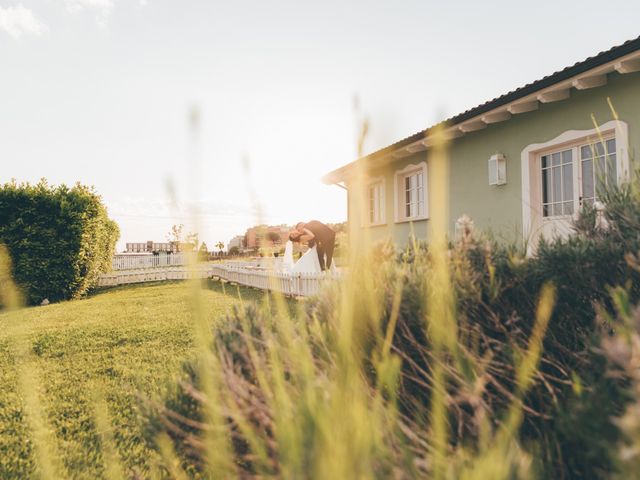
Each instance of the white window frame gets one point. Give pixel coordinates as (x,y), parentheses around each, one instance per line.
(531,172)
(399,203)
(382,202)
(575,181)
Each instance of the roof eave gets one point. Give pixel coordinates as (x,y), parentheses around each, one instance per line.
(590,73)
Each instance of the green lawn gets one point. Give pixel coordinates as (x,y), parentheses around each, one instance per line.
(117,345)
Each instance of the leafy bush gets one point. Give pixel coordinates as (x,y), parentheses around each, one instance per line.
(59,238)
(568,409)
(376,327)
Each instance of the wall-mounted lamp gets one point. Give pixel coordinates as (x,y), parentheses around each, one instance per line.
(497,169)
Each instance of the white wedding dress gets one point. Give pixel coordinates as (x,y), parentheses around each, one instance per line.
(308,263)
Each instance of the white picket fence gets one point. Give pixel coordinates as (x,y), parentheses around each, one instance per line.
(298,284)
(124,277)
(130,262)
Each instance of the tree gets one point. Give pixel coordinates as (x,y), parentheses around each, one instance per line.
(274,237)
(234,250)
(220,246)
(175,235)
(203,252)
(192,238)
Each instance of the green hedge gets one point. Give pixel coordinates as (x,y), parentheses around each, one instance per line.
(59,238)
(568,425)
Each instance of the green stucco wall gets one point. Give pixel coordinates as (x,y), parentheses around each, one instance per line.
(499,208)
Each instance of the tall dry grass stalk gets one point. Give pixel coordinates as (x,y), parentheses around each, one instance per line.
(286,395)
(290,396)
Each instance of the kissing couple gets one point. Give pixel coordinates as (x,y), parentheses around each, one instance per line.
(318,237)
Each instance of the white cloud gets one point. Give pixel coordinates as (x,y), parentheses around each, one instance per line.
(102,8)
(19,20)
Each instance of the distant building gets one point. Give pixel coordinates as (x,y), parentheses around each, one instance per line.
(266,236)
(151,246)
(237,242)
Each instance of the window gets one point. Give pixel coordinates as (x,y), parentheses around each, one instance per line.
(576,174)
(599,157)
(376,203)
(411,199)
(414,195)
(557,183)
(602,156)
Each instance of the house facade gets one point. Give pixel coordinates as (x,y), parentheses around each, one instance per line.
(520,165)
(236,242)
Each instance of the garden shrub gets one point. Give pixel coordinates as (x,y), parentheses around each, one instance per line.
(59,238)
(568,412)
(568,426)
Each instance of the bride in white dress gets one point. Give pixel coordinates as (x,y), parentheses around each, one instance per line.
(308,263)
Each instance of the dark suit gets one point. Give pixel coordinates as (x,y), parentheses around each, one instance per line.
(325,241)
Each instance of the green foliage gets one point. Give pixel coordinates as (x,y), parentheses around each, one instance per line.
(59,238)
(203,252)
(567,411)
(496,288)
(623,353)
(273,237)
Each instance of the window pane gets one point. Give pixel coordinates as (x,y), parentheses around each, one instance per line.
(546,186)
(600,166)
(612,171)
(567,156)
(545,210)
(587,179)
(600,175)
(373,193)
(545,161)
(419,179)
(567,181)
(556,209)
(568,208)
(599,147)
(611,145)
(557,185)
(555,159)
(586,152)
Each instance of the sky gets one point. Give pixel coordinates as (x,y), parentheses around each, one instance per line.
(230,112)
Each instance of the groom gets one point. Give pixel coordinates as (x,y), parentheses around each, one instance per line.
(322,236)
